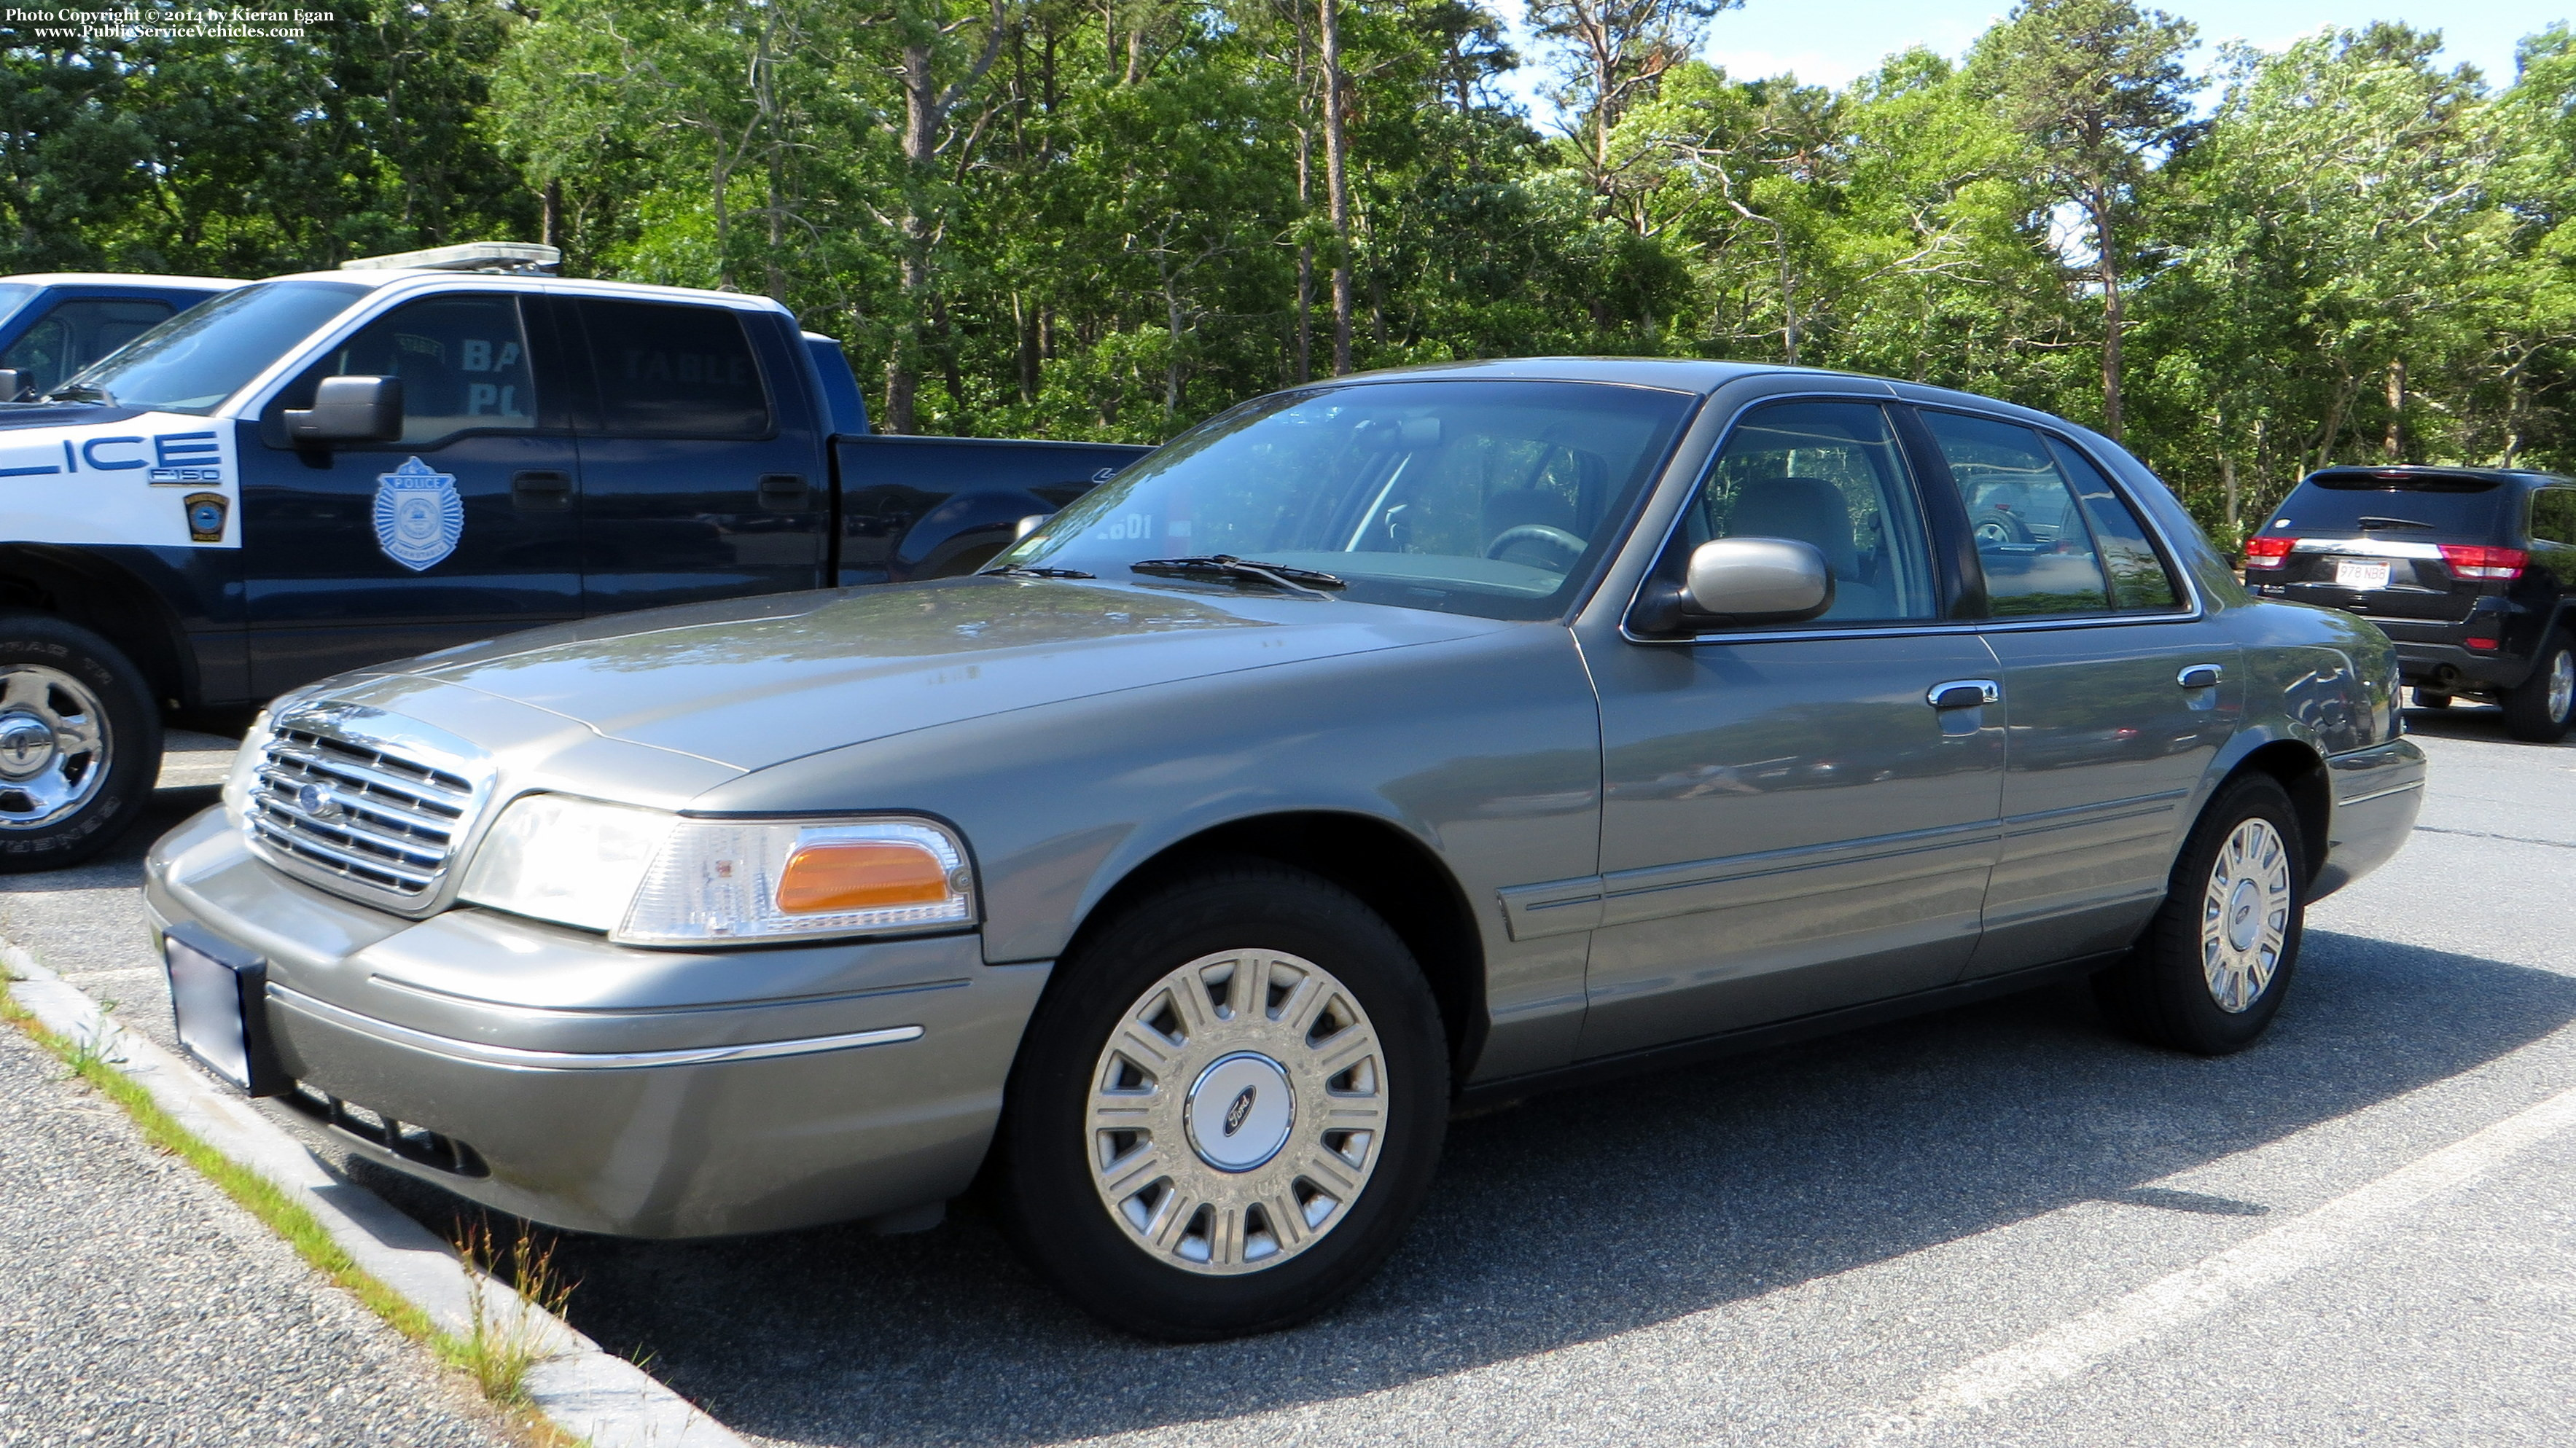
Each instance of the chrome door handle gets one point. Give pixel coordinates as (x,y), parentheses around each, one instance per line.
(2200,676)
(1963,693)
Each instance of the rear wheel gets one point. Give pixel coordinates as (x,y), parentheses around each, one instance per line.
(2537,709)
(1228,1107)
(80,743)
(2212,968)
(2427,699)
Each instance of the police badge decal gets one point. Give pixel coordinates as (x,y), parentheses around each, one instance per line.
(418,515)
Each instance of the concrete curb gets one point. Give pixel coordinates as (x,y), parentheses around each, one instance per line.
(605,1400)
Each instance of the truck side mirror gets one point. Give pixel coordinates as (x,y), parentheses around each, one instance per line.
(12,382)
(1733,582)
(349,409)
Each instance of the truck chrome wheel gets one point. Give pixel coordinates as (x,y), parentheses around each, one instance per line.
(2562,684)
(2245,914)
(1237,1112)
(53,746)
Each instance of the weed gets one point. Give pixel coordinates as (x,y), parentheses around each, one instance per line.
(500,1346)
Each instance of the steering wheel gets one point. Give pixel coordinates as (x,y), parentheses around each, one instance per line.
(1543,536)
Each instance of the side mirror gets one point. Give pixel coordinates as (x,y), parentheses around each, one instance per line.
(1732,582)
(349,409)
(1028,525)
(12,382)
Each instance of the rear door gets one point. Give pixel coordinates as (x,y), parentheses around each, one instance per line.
(702,464)
(463,529)
(2119,695)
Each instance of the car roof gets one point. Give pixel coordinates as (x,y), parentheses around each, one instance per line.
(123,279)
(2525,477)
(374,277)
(1691,374)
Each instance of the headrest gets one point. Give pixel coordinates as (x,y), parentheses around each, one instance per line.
(1809,510)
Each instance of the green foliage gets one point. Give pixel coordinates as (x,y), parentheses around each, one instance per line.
(1108,220)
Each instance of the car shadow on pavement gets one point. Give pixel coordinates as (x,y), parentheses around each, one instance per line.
(1570,1218)
(2480,722)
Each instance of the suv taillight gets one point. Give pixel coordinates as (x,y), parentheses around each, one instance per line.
(2471,560)
(2262,552)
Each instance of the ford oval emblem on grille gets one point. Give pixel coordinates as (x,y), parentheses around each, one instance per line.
(318,802)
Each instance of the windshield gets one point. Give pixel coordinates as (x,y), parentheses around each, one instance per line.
(13,295)
(1488,498)
(195,360)
(2402,505)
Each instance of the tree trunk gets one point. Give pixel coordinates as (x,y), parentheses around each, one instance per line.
(2393,445)
(2106,262)
(1305,337)
(2227,485)
(552,230)
(1337,181)
(1025,323)
(920,132)
(1172,353)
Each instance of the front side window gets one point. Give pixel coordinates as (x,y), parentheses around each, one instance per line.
(2032,538)
(463,361)
(674,371)
(195,360)
(1489,498)
(1830,475)
(77,333)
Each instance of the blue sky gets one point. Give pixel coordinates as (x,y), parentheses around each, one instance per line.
(1831,41)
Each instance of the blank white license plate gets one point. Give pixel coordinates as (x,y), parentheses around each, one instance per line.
(207,995)
(2360,573)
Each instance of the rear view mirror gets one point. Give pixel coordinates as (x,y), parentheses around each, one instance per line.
(1733,582)
(349,409)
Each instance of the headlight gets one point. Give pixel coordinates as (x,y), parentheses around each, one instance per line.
(649,878)
(243,777)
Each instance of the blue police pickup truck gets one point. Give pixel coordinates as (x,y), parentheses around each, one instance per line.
(56,323)
(324,471)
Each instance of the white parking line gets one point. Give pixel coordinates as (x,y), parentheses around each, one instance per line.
(2198,1290)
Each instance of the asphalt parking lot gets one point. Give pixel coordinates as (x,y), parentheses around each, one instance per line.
(1997,1225)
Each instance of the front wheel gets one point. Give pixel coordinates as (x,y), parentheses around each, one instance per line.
(2536,710)
(1227,1108)
(80,743)
(2210,972)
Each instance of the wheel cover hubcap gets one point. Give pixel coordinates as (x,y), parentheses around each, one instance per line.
(2562,684)
(53,746)
(2245,915)
(1237,1112)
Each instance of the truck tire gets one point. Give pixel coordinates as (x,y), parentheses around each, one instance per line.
(80,743)
(2537,709)
(1227,1107)
(2209,974)
(2425,699)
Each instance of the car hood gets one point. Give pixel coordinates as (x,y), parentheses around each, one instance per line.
(756,682)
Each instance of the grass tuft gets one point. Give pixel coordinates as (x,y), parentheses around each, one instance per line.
(499,1347)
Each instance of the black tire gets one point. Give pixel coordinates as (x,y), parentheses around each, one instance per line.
(2426,699)
(2531,714)
(108,802)
(1061,1216)
(1997,526)
(2163,993)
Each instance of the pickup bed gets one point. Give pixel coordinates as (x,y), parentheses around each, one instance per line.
(320,472)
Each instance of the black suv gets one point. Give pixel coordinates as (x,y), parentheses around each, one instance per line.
(2471,570)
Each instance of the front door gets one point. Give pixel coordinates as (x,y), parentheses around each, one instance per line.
(2119,697)
(1789,823)
(702,464)
(465,528)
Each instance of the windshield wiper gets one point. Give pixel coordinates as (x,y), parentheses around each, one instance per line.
(1226,565)
(1023,570)
(2368,521)
(80,392)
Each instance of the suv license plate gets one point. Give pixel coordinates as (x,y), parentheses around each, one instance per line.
(2358,573)
(219,997)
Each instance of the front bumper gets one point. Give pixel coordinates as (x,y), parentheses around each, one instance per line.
(2377,794)
(635,1092)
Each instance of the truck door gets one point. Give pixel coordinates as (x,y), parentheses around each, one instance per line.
(465,528)
(702,464)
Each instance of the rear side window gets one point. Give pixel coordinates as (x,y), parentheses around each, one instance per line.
(75,334)
(2425,505)
(2032,538)
(2553,515)
(2138,576)
(674,371)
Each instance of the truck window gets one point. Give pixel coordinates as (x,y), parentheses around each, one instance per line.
(463,361)
(674,371)
(77,333)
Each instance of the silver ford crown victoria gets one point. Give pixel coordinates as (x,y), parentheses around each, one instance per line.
(1416,739)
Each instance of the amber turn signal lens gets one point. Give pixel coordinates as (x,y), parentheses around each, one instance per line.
(860,875)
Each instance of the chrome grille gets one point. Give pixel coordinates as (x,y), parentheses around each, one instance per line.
(350,812)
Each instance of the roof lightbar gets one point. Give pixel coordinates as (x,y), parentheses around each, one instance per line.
(476,256)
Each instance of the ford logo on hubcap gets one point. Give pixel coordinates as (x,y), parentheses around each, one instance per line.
(1235,1113)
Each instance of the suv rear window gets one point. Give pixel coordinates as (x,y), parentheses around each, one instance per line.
(2446,503)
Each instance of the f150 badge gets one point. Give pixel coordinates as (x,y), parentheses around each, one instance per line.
(418,515)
